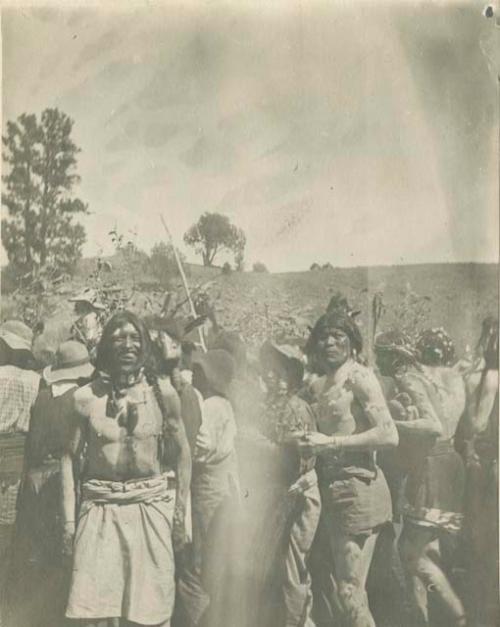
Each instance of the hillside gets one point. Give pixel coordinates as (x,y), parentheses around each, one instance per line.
(456,296)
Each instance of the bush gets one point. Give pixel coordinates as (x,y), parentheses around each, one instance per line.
(226,268)
(258,266)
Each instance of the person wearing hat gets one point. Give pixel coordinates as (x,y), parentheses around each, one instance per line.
(37,557)
(134,486)
(291,516)
(19,385)
(435,474)
(353,422)
(214,496)
(88,326)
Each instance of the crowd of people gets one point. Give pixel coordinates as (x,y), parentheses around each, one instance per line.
(147,481)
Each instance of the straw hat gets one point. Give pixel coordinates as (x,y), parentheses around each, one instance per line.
(72,362)
(218,368)
(17,335)
(89,295)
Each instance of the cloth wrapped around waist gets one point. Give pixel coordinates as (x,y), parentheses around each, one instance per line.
(147,490)
(347,464)
(442,447)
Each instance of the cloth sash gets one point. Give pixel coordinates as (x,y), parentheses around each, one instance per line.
(147,490)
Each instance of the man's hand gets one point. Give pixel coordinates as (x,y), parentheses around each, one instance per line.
(315,443)
(68,537)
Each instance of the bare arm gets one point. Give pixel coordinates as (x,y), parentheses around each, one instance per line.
(428,422)
(68,482)
(183,469)
(382,432)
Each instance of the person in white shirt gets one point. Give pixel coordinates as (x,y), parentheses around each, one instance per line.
(204,585)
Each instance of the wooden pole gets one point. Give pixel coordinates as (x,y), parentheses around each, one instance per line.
(184,280)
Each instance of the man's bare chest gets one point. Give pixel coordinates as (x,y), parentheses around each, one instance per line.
(136,417)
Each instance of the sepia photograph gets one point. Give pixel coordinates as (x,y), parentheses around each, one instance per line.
(249,313)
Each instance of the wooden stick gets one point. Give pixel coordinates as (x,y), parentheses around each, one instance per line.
(184,281)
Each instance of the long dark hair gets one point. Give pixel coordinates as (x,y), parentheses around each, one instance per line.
(488,342)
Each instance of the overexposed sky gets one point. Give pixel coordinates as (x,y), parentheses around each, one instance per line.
(358,133)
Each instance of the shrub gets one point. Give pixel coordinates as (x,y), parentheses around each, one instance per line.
(258,266)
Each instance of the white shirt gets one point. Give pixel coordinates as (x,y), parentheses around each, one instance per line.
(217,432)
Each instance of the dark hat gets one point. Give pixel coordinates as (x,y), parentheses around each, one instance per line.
(218,368)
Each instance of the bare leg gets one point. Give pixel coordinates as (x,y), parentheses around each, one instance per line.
(419,552)
(352,558)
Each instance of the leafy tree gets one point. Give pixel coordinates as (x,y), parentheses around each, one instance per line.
(41,159)
(214,233)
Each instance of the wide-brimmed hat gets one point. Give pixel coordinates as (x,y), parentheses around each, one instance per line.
(88,295)
(17,335)
(72,363)
(218,367)
(284,357)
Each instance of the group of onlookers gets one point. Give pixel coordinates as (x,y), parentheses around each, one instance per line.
(158,484)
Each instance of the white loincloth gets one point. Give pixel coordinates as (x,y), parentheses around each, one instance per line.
(123,556)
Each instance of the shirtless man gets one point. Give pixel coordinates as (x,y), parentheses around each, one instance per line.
(353,422)
(130,517)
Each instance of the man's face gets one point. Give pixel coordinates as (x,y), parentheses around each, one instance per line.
(126,347)
(334,348)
